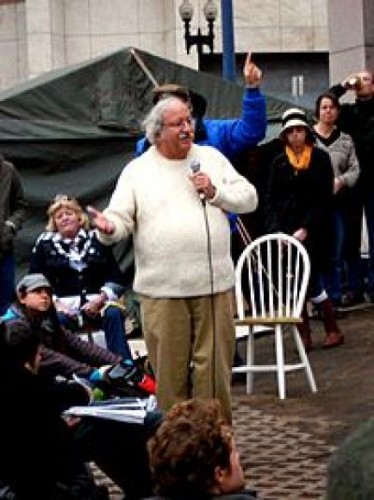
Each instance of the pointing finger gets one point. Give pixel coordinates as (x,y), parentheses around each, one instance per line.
(248,59)
(92,211)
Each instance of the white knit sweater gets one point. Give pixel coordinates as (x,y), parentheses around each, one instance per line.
(156,201)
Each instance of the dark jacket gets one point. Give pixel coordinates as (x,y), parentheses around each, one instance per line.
(12,205)
(37,450)
(357,119)
(302,199)
(63,352)
(96,269)
(255,165)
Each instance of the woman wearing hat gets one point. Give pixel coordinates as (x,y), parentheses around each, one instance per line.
(299,202)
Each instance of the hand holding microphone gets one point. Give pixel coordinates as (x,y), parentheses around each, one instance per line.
(201,181)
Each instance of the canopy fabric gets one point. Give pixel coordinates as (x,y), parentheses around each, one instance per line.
(72,130)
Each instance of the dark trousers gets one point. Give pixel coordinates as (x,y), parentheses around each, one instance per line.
(363,202)
(119,450)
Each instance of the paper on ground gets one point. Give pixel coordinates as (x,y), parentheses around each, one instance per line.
(131,411)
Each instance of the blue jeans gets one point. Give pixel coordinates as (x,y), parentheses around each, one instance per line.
(113,325)
(345,266)
(334,276)
(7,279)
(115,336)
(369,213)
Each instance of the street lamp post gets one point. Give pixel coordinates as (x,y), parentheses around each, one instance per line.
(228,51)
(186,14)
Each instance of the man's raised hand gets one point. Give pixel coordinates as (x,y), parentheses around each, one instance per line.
(252,74)
(99,220)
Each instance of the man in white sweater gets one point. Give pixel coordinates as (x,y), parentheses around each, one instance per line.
(184,272)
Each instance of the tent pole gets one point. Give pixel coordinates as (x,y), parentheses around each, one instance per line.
(143,66)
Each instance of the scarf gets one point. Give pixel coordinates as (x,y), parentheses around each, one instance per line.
(301,163)
(75,250)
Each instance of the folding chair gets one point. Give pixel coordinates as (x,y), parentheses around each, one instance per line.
(277,268)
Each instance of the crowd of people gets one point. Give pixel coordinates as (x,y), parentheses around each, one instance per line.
(179,199)
(298,202)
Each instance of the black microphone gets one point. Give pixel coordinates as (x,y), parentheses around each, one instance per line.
(195,167)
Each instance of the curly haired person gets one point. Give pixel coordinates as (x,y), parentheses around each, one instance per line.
(193,455)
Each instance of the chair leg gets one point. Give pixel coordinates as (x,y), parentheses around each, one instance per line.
(304,359)
(279,354)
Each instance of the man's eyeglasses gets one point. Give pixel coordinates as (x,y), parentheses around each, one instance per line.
(189,122)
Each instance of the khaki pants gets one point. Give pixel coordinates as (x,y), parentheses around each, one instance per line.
(190,351)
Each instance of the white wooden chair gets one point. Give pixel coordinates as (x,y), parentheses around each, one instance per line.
(277,269)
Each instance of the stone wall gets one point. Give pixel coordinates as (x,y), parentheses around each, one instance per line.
(40,35)
(351,33)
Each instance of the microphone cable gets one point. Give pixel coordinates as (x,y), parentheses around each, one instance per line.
(212,304)
(195,167)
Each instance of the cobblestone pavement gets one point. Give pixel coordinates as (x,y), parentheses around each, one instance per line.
(280,460)
(285,445)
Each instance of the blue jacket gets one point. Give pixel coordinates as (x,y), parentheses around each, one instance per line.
(230,136)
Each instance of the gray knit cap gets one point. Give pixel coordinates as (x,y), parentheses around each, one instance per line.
(32,282)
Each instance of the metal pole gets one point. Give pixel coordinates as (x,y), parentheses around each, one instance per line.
(228,52)
(199,47)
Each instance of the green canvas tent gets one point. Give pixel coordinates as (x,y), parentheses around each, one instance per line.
(72,130)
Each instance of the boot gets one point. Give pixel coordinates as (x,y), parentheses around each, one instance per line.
(334,336)
(333,339)
(304,330)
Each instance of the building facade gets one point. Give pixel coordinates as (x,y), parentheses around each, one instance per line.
(289,39)
(351,37)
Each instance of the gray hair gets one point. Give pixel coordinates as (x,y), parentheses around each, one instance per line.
(153,122)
